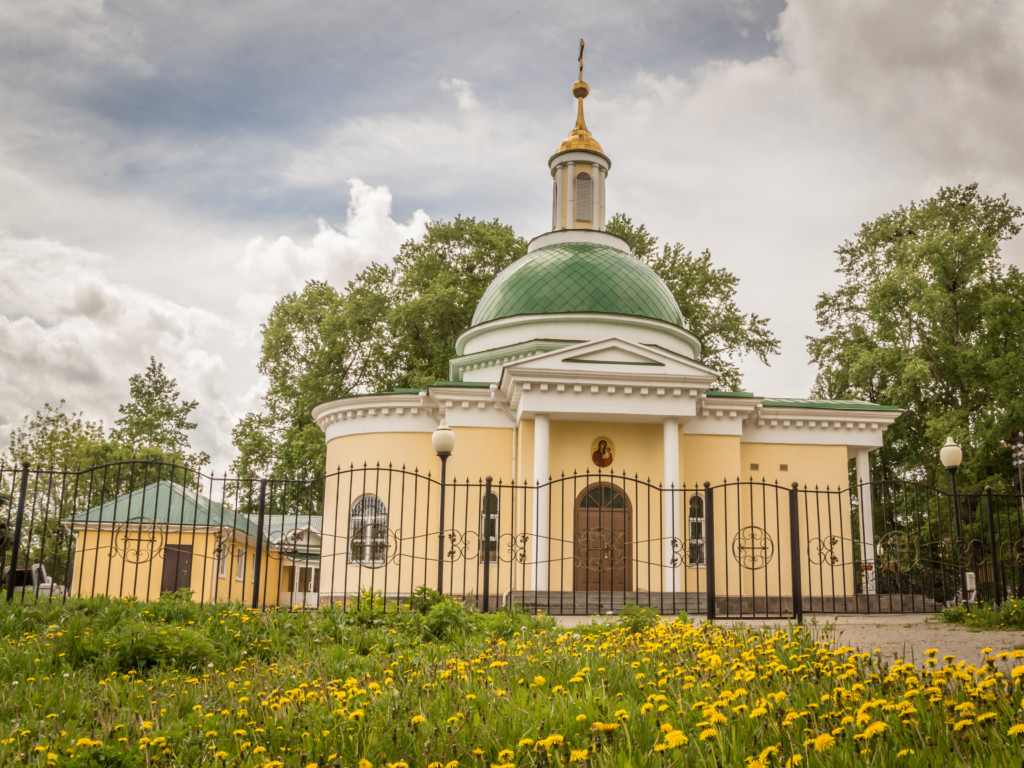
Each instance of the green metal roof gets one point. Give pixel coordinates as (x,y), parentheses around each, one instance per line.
(830,405)
(170,504)
(576,278)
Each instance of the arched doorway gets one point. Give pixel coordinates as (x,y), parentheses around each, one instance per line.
(603,540)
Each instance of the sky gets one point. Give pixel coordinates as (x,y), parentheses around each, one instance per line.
(171,168)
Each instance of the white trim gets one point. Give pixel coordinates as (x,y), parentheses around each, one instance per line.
(570,209)
(541,449)
(867,521)
(814,426)
(670,450)
(580,328)
(240,558)
(590,236)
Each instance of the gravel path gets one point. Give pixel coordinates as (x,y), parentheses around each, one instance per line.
(904,636)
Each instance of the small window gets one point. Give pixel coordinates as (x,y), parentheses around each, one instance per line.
(489,529)
(368,532)
(754,467)
(240,565)
(783,467)
(222,561)
(696,531)
(584,197)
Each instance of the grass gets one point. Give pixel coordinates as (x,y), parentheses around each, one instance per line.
(105,683)
(1009,615)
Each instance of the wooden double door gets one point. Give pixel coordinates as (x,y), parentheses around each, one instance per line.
(603,538)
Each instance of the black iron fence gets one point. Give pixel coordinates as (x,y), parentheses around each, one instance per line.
(581,544)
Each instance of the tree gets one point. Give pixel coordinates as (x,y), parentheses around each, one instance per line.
(154,417)
(53,437)
(928,317)
(407,317)
(395,326)
(307,356)
(706,296)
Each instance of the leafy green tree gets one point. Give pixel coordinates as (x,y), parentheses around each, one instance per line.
(53,437)
(395,326)
(930,318)
(307,356)
(155,417)
(407,317)
(706,296)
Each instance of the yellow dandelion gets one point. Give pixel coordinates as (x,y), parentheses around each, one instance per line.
(824,742)
(876,729)
(675,739)
(578,755)
(708,733)
(417,720)
(1016,730)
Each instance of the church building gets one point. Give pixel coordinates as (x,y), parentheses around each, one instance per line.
(580,392)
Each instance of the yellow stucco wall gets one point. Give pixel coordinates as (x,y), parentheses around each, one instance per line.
(655,516)
(413,509)
(101,568)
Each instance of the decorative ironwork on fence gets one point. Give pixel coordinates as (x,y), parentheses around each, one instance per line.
(579,544)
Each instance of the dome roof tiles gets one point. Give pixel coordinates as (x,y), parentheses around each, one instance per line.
(578,278)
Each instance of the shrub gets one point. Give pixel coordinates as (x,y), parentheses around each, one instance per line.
(423,599)
(445,620)
(141,647)
(636,619)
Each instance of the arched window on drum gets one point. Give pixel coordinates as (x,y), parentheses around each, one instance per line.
(584,197)
(368,532)
(695,529)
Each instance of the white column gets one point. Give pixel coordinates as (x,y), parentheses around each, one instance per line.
(671,522)
(604,173)
(559,193)
(595,216)
(570,191)
(541,471)
(867,521)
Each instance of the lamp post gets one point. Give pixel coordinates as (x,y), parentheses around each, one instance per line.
(443,441)
(951,455)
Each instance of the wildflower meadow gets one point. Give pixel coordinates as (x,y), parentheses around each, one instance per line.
(103,682)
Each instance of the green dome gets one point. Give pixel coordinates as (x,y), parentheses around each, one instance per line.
(578,277)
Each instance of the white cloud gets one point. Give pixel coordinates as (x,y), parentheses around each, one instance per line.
(73,326)
(336,255)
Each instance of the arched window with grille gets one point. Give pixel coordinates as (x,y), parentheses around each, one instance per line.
(695,529)
(584,197)
(368,532)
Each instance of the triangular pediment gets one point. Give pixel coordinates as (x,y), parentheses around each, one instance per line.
(614,357)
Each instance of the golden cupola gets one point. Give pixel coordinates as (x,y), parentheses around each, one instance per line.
(579,168)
